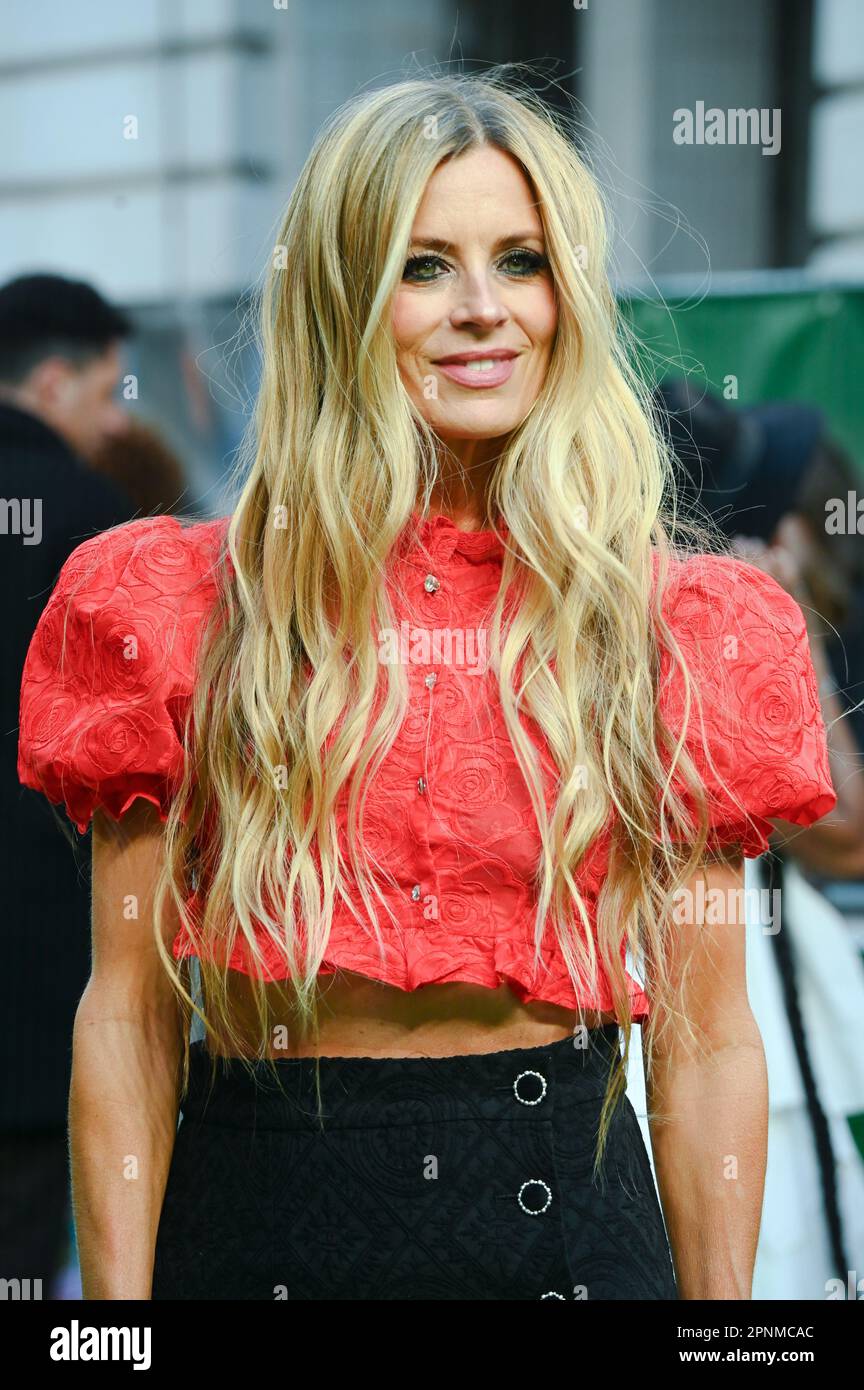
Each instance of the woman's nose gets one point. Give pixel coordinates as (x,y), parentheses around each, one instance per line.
(479,303)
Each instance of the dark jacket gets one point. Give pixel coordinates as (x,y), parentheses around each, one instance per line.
(45,921)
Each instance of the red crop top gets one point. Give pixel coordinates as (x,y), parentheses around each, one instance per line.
(449,815)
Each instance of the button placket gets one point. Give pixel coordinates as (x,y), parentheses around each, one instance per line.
(525,1099)
(535,1194)
(431,585)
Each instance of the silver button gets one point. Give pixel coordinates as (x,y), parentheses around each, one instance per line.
(430,680)
(523,1099)
(431,584)
(421,784)
(415,892)
(535,1182)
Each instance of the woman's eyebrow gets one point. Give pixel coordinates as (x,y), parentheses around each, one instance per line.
(435,244)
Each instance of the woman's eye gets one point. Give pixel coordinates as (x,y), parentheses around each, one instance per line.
(520,263)
(527,262)
(416,265)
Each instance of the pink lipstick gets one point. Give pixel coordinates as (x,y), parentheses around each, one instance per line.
(479,369)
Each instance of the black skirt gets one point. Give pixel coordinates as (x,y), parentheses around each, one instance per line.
(465,1177)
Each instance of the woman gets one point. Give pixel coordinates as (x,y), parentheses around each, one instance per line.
(419,732)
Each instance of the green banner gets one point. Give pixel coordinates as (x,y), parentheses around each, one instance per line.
(756,345)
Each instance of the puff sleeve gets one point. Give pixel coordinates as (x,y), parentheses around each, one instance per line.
(759,741)
(110,669)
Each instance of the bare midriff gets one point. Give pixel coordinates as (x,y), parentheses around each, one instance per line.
(361,1017)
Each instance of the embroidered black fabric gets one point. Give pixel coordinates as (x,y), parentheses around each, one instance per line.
(465,1177)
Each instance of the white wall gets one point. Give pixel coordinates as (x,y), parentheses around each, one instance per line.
(836,195)
(227,96)
(641,61)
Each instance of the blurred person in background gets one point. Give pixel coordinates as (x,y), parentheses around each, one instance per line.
(143,464)
(60,364)
(767,474)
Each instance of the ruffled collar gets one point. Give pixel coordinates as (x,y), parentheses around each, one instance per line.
(440,536)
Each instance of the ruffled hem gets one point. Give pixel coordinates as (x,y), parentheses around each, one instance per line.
(489,964)
(115,803)
(753,834)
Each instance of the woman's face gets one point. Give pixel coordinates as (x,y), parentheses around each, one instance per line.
(476,286)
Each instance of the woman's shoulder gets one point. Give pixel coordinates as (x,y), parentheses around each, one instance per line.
(151,581)
(702,586)
(725,611)
(752,709)
(740,631)
(111,665)
(148,557)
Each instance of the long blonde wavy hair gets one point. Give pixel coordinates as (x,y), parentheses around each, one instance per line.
(332,467)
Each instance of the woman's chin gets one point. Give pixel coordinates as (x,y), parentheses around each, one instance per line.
(476,424)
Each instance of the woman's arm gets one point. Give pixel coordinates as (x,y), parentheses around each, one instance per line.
(127,1048)
(709,1116)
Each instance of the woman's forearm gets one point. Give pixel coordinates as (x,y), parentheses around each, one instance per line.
(123,1110)
(709,1133)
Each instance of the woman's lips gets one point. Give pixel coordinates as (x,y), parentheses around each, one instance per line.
(476,377)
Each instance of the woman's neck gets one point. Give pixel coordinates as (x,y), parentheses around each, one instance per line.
(466,468)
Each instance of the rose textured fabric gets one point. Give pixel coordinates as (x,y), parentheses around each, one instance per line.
(448,824)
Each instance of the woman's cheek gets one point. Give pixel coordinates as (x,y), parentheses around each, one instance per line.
(408,319)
